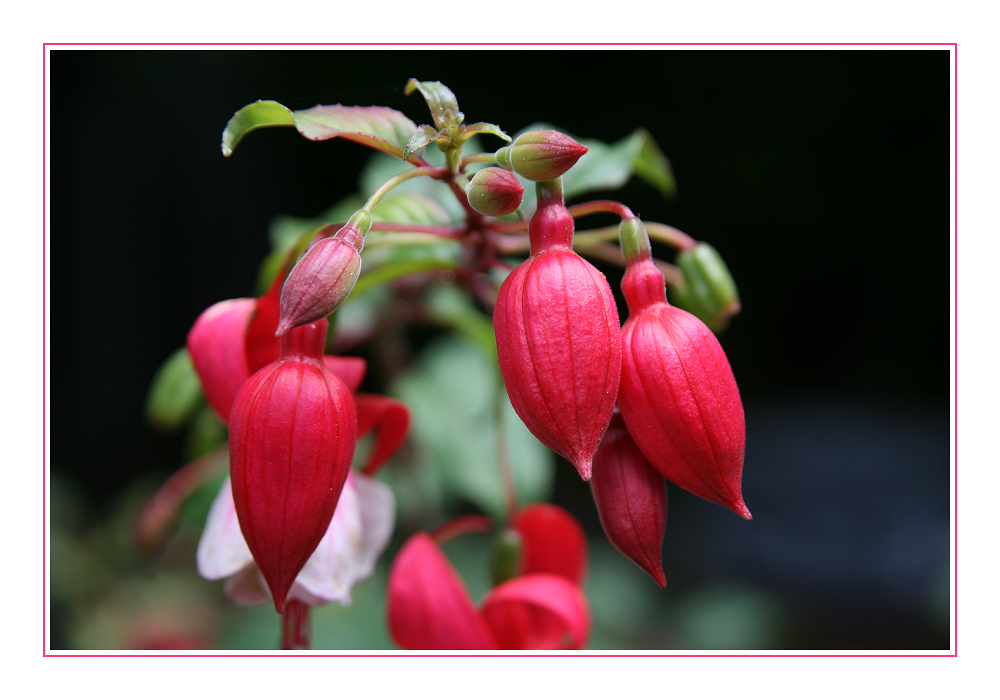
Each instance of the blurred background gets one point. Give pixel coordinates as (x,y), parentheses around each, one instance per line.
(822,178)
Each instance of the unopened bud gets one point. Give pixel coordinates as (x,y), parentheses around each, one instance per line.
(323,278)
(495,192)
(709,291)
(540,155)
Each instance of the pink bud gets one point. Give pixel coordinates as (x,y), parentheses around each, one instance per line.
(558,339)
(292,435)
(495,192)
(541,155)
(631,499)
(324,277)
(678,395)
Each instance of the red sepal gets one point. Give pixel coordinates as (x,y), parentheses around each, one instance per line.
(538,611)
(391,421)
(552,542)
(351,370)
(216,345)
(429,606)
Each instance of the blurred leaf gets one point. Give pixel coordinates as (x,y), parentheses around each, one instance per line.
(396,270)
(259,114)
(452,392)
(652,166)
(450,307)
(731,617)
(175,393)
(380,167)
(411,208)
(204,434)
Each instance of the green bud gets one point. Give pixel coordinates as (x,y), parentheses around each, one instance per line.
(709,291)
(494,192)
(540,155)
(506,556)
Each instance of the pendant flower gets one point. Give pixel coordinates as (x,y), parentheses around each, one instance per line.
(542,607)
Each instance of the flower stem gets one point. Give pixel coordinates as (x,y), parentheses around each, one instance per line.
(295,625)
(598,206)
(478,158)
(428,170)
(503,452)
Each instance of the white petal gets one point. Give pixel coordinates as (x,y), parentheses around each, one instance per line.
(222,551)
(359,532)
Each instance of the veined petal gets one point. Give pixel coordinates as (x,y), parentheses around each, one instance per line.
(222,551)
(538,611)
(429,606)
(347,554)
(553,542)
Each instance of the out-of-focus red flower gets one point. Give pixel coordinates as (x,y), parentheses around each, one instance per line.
(542,607)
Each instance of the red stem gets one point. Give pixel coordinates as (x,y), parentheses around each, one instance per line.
(461,526)
(295,625)
(599,206)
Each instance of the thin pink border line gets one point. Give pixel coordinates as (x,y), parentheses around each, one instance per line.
(954,654)
(504,43)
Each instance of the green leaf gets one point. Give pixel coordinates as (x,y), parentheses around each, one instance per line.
(257,115)
(452,391)
(175,393)
(440,100)
(482,128)
(395,270)
(381,128)
(652,166)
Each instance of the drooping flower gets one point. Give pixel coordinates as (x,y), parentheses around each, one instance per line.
(292,434)
(558,338)
(678,395)
(631,499)
(358,533)
(542,607)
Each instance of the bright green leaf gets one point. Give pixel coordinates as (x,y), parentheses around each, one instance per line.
(254,116)
(175,393)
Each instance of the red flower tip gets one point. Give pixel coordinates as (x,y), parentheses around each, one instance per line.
(391,421)
(292,436)
(631,499)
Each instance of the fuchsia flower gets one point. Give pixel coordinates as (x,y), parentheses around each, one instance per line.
(558,338)
(541,607)
(678,395)
(292,432)
(359,532)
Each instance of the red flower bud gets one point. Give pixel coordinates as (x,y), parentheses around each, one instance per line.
(678,395)
(292,435)
(541,155)
(631,499)
(494,192)
(324,277)
(558,339)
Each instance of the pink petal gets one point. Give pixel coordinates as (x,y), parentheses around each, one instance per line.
(553,542)
(347,554)
(428,605)
(538,611)
(222,551)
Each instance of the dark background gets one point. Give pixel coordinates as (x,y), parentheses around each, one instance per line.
(822,177)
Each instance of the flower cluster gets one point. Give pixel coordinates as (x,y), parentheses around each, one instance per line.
(628,405)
